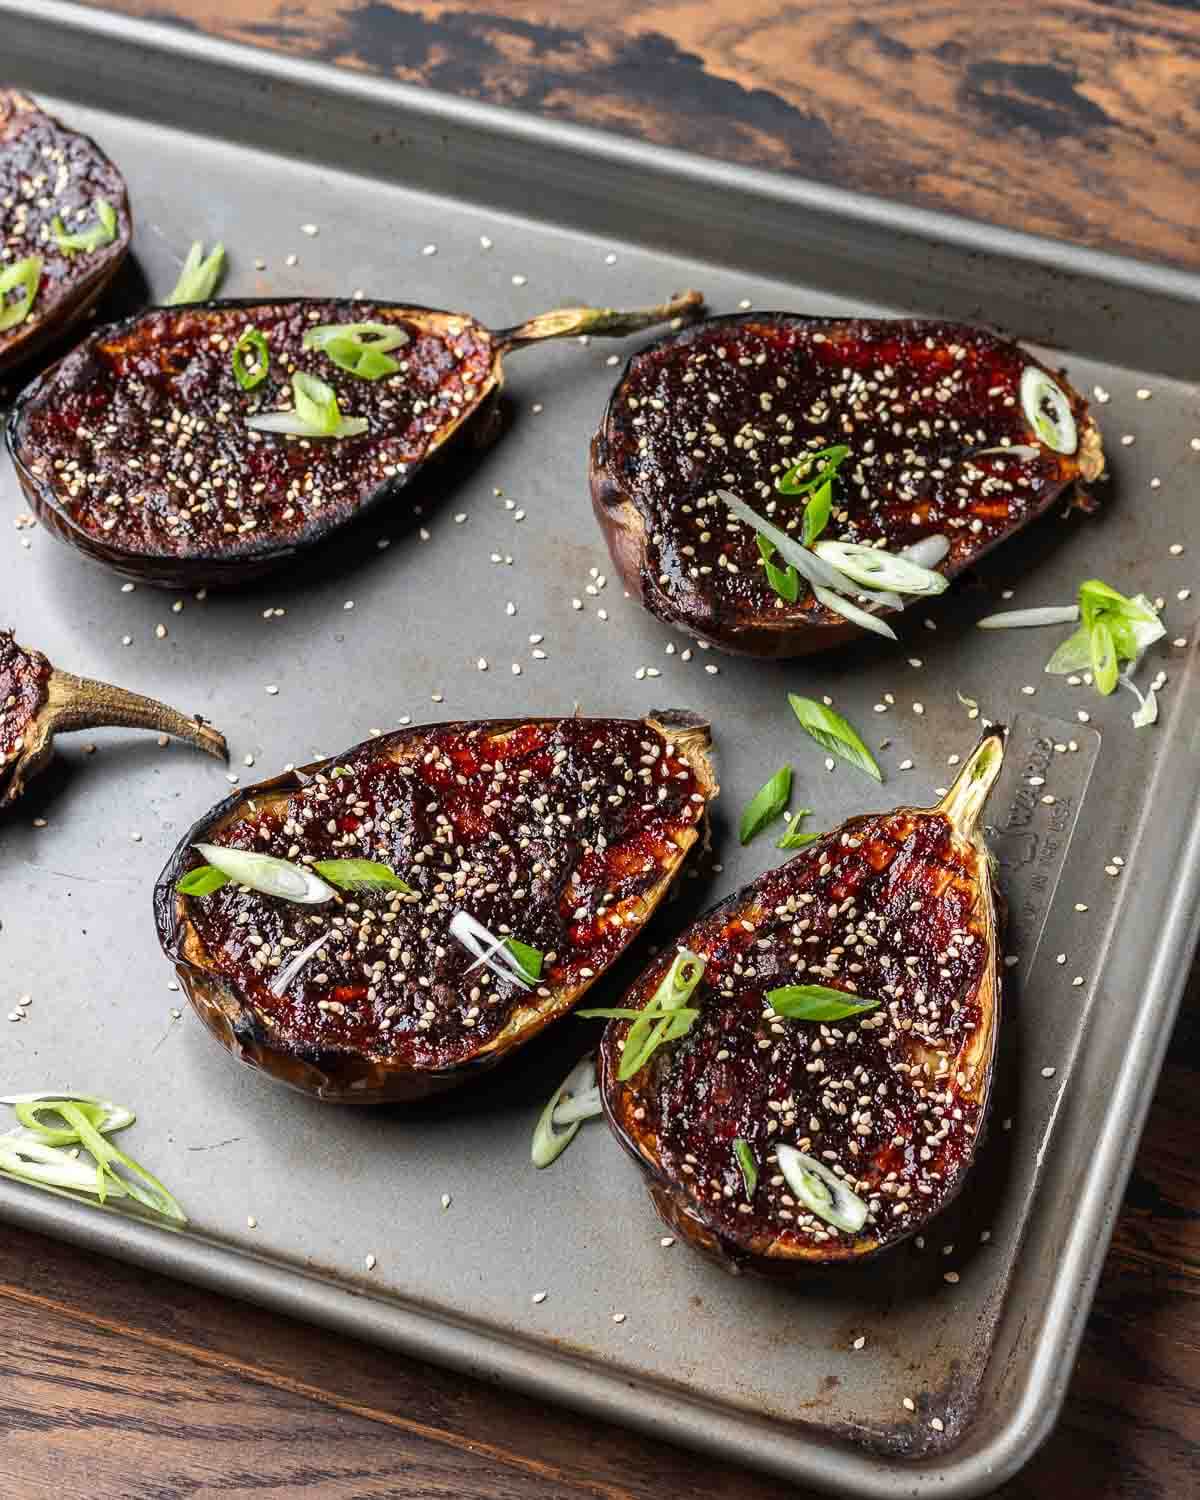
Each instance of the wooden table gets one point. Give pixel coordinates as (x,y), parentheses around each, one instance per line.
(1080,122)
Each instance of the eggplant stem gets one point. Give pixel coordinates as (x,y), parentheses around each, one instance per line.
(80,703)
(964,802)
(605,322)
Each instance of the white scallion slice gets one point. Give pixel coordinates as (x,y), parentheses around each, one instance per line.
(874,568)
(1007,450)
(851,612)
(821,1191)
(1048,411)
(315,413)
(279,984)
(491,951)
(1019,619)
(1146,712)
(928,552)
(32,1160)
(265,873)
(579,1085)
(584,1106)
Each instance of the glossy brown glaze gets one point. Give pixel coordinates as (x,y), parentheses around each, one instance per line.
(24,684)
(560,833)
(734,402)
(893,907)
(135,446)
(48,171)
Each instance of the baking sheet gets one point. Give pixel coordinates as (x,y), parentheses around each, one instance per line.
(245,148)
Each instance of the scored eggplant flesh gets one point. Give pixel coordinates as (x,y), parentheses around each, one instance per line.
(37,701)
(897,907)
(49,171)
(733,402)
(562,834)
(134,448)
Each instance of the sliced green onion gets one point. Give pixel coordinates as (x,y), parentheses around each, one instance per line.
(666,1016)
(492,952)
(1073,655)
(315,414)
(530,959)
(874,568)
(578,1086)
(133,1177)
(807,563)
(102,233)
(359,348)
(785,581)
(745,1160)
(821,1191)
(801,479)
(1147,710)
(199,276)
(31,1160)
(265,873)
(817,513)
(793,838)
(202,881)
(24,278)
(105,1115)
(248,377)
(361,875)
(818,1002)
(1102,650)
(766,804)
(853,613)
(1048,411)
(1019,619)
(833,733)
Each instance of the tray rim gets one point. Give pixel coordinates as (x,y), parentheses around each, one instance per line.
(792,1451)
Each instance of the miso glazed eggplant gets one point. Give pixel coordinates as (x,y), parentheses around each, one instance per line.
(777,484)
(64,225)
(37,701)
(816,1072)
(207,444)
(386,924)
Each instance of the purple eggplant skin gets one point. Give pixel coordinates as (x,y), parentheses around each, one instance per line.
(731,402)
(135,448)
(32,144)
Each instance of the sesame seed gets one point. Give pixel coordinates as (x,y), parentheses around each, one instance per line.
(618,1317)
(951,1277)
(271,690)
(429,250)
(909,1404)
(1049,1072)
(519,280)
(538,1298)
(485,242)
(667,1241)
(251,1222)
(370,1262)
(446,1200)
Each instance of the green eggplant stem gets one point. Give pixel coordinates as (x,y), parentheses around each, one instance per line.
(604,322)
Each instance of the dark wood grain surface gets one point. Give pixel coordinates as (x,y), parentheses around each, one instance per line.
(1080,120)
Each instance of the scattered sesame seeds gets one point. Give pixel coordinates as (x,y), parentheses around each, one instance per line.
(271,690)
(370,1262)
(1175,549)
(251,1222)
(951,1277)
(618,1317)
(310,229)
(429,250)
(518,279)
(667,1241)
(538,1298)
(1143,393)
(1049,1072)
(909,1404)
(485,242)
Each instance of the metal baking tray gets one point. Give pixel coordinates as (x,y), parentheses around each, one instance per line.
(222,143)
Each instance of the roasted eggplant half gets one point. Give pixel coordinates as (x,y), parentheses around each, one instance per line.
(938,440)
(65,227)
(37,701)
(508,864)
(206,445)
(829,1094)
